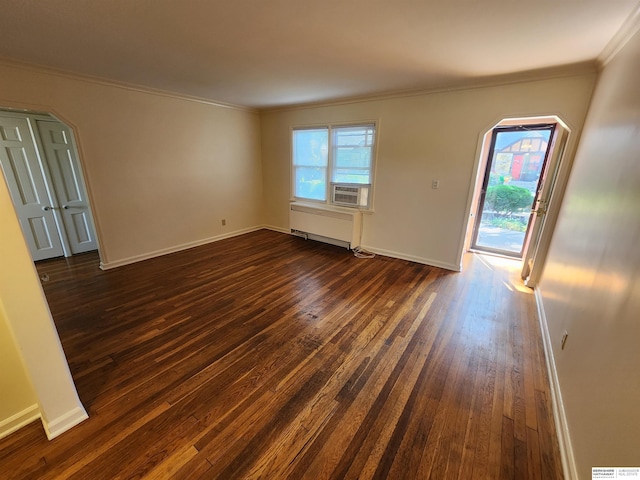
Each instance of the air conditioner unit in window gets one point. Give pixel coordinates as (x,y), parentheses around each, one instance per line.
(350,194)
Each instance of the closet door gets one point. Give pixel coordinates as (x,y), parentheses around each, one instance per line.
(25,179)
(68,183)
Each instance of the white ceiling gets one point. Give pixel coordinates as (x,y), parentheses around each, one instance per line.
(264,53)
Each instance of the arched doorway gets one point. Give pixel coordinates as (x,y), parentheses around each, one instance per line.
(41,167)
(517,191)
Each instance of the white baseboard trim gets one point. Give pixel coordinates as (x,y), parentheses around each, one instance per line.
(390,253)
(176,248)
(559,415)
(413,258)
(276,229)
(65,422)
(197,243)
(19,420)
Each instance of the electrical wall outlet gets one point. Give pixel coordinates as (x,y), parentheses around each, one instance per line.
(435,184)
(224,222)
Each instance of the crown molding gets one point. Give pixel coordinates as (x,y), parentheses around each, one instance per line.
(573,70)
(583,68)
(628,29)
(12,63)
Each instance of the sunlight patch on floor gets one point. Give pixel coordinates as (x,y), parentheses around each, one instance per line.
(510,266)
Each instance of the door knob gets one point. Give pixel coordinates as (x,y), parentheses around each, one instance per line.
(66,207)
(46,208)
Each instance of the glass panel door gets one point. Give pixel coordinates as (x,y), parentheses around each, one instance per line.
(513,176)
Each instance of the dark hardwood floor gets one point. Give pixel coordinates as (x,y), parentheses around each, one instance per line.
(267,356)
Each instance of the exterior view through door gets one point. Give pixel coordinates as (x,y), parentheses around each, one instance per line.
(512,181)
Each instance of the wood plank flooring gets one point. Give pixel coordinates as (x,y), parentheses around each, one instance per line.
(267,356)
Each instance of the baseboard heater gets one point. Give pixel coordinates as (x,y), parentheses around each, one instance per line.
(334,225)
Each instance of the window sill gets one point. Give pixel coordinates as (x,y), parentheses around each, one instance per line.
(330,206)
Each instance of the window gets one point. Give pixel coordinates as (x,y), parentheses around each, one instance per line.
(310,161)
(324,157)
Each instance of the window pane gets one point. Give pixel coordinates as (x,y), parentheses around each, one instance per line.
(354,136)
(311,183)
(311,147)
(350,175)
(352,153)
(353,157)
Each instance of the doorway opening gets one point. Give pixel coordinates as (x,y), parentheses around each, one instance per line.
(41,167)
(513,175)
(518,190)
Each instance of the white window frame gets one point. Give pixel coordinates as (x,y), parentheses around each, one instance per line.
(330,163)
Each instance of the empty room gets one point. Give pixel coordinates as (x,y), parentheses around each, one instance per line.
(291,240)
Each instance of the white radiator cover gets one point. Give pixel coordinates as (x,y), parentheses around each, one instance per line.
(326,223)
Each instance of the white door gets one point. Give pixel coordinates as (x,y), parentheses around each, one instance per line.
(26,182)
(68,184)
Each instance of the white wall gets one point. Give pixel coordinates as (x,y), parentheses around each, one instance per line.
(591,283)
(18,402)
(27,315)
(420,138)
(162,172)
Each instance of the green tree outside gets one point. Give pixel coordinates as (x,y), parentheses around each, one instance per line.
(505,201)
